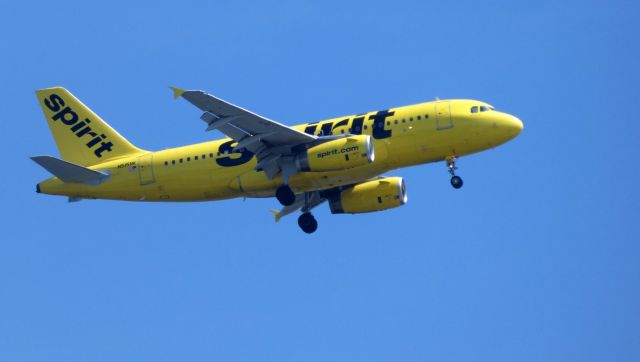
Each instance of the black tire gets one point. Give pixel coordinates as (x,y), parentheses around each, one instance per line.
(285,195)
(307,223)
(456,182)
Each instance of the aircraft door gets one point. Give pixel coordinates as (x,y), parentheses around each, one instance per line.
(145,169)
(443,115)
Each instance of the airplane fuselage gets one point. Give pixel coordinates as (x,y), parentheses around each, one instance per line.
(403,136)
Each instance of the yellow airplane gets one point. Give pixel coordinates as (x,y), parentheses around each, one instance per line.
(339,160)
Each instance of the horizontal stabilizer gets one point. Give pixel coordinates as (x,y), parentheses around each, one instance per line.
(70,172)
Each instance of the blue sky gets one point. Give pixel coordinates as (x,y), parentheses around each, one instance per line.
(535,259)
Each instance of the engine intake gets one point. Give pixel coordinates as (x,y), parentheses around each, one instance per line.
(375,195)
(337,155)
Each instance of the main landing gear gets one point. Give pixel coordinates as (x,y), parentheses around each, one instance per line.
(307,222)
(285,195)
(303,202)
(456,181)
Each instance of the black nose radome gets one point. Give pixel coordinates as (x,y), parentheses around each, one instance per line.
(38,188)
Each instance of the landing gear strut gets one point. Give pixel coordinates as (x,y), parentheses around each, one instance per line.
(285,195)
(456,181)
(307,222)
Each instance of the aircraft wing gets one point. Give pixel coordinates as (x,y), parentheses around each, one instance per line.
(241,124)
(268,139)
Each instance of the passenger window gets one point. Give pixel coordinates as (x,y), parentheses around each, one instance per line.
(166,163)
(195,158)
(366,127)
(180,160)
(188,159)
(419,117)
(204,156)
(173,162)
(211,155)
(395,121)
(426,116)
(474,109)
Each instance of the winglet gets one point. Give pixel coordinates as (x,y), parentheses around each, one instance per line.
(177,92)
(276,213)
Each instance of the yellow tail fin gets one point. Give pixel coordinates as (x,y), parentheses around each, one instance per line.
(82,136)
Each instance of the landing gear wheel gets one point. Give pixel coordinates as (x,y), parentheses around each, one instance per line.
(456,182)
(307,223)
(285,195)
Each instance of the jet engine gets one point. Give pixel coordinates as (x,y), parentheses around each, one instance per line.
(369,196)
(337,155)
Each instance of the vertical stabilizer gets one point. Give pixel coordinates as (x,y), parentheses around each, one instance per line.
(82,137)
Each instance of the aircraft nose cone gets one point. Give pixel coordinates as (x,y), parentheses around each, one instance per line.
(516,125)
(507,127)
(512,125)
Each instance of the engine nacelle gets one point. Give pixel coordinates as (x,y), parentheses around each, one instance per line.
(376,195)
(337,155)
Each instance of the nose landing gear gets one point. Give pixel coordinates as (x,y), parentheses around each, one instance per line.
(456,181)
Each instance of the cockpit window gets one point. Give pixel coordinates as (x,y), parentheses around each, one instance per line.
(476,109)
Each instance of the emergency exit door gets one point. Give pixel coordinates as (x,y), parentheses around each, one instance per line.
(145,169)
